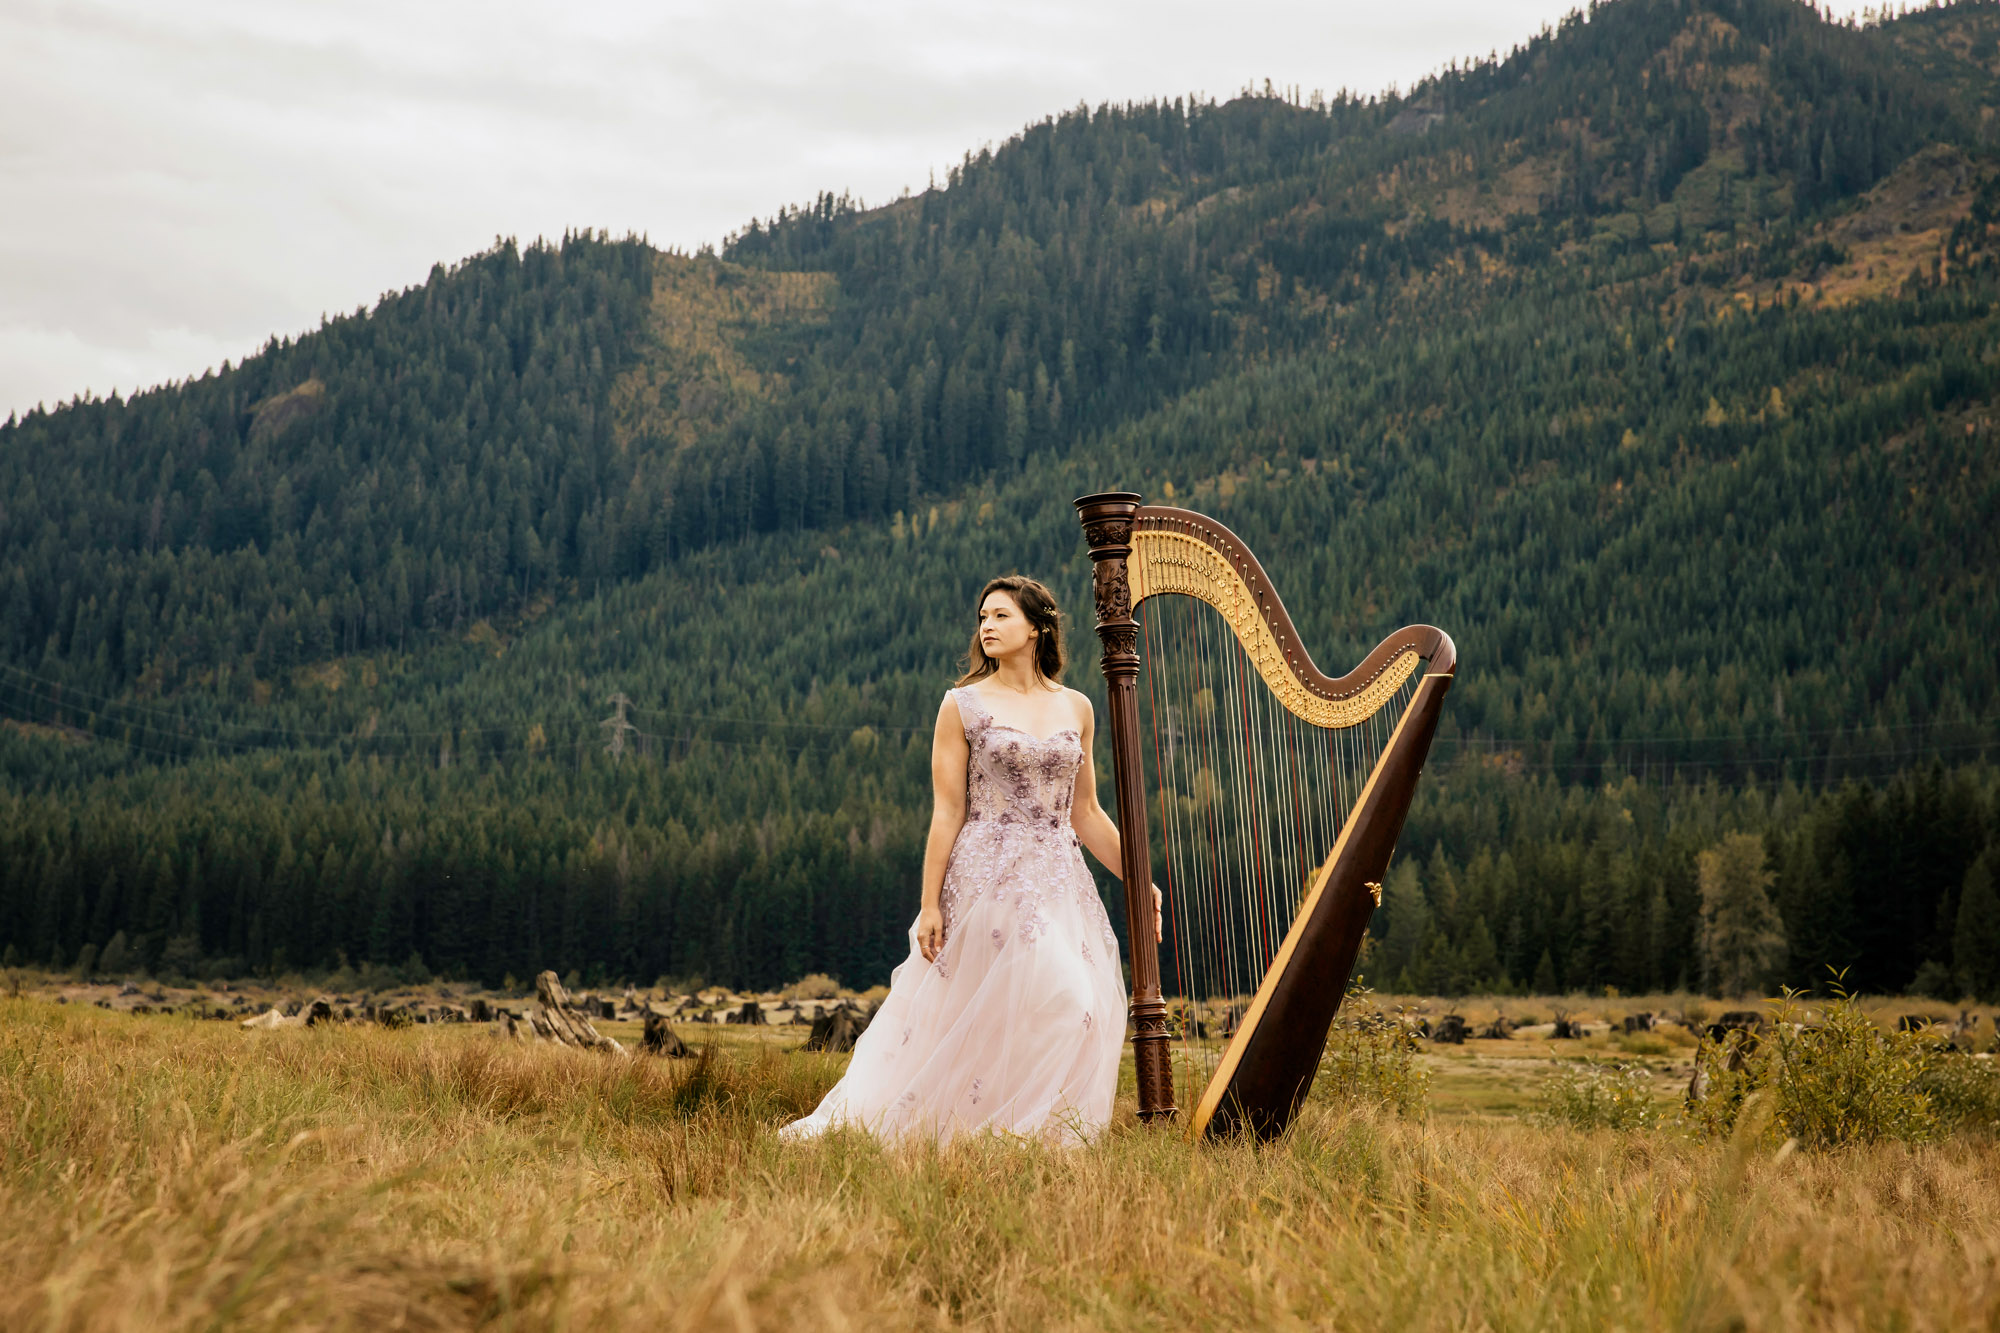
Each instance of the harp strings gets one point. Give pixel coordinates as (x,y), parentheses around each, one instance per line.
(1250,800)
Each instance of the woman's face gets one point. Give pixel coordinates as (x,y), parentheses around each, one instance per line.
(1003,630)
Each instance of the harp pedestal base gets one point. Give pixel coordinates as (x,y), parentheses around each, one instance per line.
(1152,1059)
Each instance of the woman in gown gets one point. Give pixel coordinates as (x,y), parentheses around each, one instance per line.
(1008,1016)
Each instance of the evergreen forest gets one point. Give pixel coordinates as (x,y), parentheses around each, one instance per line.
(587,605)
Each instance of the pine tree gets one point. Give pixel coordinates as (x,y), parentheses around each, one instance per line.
(117,956)
(1976,941)
(1545,981)
(1742,938)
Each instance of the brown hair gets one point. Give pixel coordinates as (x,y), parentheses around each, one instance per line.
(1038,604)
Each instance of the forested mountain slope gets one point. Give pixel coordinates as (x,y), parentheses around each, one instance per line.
(1656,361)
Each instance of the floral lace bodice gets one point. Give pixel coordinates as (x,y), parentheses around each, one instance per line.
(1017,845)
(1014,777)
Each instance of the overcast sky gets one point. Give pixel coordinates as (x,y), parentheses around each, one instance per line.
(180,180)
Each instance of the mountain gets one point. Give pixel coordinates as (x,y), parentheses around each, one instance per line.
(1655,360)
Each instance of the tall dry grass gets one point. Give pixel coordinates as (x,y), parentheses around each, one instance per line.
(159,1174)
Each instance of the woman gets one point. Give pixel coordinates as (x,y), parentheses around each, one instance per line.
(1009,1014)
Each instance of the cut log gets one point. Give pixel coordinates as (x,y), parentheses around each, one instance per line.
(660,1037)
(556,1021)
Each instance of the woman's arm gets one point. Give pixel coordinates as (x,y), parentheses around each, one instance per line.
(1094,828)
(949,755)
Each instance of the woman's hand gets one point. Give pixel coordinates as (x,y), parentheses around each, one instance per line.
(1159,925)
(930,933)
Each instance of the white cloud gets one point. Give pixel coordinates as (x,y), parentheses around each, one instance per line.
(178,182)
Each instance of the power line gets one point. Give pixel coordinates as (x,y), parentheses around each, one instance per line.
(111,702)
(59,696)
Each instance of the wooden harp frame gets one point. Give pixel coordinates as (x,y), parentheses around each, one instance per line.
(1139,551)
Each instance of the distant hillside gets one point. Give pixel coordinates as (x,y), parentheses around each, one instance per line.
(1657,361)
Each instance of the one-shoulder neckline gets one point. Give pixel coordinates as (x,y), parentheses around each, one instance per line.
(995,722)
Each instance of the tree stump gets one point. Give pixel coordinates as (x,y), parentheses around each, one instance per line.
(555,1021)
(660,1037)
(835,1030)
(751,1012)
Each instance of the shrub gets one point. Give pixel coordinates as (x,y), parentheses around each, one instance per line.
(1371,1058)
(813,986)
(377,978)
(1964,1090)
(180,960)
(1842,1080)
(1595,1094)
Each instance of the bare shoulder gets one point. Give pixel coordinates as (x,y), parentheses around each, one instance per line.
(1079,703)
(948,709)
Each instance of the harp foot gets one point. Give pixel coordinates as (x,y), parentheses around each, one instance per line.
(1152,1061)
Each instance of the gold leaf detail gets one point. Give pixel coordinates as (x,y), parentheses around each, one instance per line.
(1162,563)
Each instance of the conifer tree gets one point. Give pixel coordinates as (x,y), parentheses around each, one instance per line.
(1976,941)
(1742,938)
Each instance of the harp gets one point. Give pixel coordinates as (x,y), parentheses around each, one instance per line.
(1279,791)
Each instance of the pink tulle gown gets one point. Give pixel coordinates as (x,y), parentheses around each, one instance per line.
(1018,1025)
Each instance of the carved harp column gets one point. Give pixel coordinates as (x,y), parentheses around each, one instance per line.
(1107,527)
(1280,792)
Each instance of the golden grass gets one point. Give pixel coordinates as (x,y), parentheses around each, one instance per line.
(161,1174)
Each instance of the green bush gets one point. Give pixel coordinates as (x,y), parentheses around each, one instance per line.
(1839,1081)
(1964,1090)
(1371,1059)
(1597,1094)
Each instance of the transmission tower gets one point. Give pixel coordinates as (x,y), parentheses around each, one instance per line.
(616,727)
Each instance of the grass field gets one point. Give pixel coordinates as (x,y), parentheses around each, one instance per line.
(161,1173)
